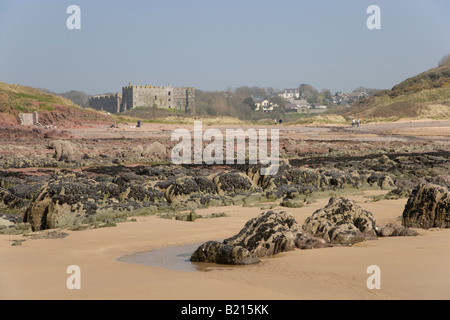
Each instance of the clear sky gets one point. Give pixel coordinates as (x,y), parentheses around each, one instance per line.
(212,44)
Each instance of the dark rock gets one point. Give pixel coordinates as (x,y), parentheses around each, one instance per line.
(216,252)
(341,222)
(232,182)
(9,201)
(71,198)
(395,230)
(268,234)
(428,207)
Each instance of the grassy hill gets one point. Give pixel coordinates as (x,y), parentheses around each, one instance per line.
(426,95)
(52,109)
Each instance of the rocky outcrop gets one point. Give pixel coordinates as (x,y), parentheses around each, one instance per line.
(264,236)
(70,199)
(65,151)
(9,200)
(268,234)
(395,230)
(216,252)
(182,189)
(341,222)
(232,182)
(428,207)
(156,151)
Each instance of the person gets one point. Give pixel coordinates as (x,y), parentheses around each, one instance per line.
(353,123)
(138,124)
(276,121)
(359,123)
(281,121)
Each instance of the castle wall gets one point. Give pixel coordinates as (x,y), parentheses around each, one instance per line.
(110,103)
(185,99)
(161,97)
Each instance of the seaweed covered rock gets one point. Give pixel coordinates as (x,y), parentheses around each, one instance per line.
(185,188)
(341,222)
(266,235)
(428,207)
(9,201)
(216,252)
(69,199)
(395,230)
(232,182)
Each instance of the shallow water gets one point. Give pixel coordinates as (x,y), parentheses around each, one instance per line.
(173,258)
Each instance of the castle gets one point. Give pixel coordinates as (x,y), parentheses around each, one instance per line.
(146,96)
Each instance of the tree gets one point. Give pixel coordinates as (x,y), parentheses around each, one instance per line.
(309,93)
(445,61)
(279,101)
(327,94)
(249,102)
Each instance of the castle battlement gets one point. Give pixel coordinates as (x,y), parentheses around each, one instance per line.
(105,97)
(109,103)
(133,96)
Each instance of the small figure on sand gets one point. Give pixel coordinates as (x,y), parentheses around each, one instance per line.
(353,123)
(281,121)
(358,123)
(138,124)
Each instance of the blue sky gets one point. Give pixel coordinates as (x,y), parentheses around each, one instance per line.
(216,43)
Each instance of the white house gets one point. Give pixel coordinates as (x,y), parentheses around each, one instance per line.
(290,93)
(263,104)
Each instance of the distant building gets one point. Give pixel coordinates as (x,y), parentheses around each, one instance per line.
(302,103)
(349,98)
(263,104)
(290,93)
(146,96)
(318,106)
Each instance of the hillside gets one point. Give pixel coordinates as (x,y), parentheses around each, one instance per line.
(426,95)
(52,109)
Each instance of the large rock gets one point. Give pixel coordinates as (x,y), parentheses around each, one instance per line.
(341,222)
(70,199)
(155,152)
(216,252)
(264,236)
(9,201)
(232,183)
(395,230)
(268,234)
(65,151)
(428,207)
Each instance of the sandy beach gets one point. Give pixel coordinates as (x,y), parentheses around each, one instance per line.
(411,267)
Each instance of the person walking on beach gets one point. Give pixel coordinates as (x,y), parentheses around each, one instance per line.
(353,123)
(358,123)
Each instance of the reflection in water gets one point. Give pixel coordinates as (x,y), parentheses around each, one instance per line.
(173,258)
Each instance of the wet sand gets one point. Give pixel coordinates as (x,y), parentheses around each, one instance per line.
(411,267)
(397,131)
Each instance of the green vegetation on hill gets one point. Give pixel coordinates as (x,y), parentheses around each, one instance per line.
(426,95)
(15,99)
